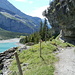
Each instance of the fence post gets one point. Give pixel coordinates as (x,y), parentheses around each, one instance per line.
(40,47)
(18,63)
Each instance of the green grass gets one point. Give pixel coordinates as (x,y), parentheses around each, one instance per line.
(59,43)
(0,71)
(37,65)
(41,70)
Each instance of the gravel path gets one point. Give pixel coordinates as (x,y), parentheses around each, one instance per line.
(66,63)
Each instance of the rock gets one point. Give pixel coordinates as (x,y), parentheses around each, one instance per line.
(61,15)
(1,73)
(1,66)
(30,43)
(10,50)
(1,59)
(6,55)
(22,48)
(25,64)
(1,54)
(6,70)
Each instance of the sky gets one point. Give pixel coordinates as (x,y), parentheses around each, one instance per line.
(31,7)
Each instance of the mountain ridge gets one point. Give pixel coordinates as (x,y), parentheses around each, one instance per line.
(28,23)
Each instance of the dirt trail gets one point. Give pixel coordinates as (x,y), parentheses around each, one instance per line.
(66,63)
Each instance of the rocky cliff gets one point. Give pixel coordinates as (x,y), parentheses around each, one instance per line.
(12,19)
(6,55)
(61,15)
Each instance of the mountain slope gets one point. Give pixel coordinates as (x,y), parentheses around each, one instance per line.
(4,34)
(14,20)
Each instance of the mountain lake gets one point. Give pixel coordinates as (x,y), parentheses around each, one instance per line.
(6,46)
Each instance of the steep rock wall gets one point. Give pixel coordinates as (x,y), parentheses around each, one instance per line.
(61,15)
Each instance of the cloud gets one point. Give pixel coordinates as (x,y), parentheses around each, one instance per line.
(21,0)
(30,2)
(38,12)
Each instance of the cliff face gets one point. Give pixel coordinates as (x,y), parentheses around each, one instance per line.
(61,15)
(12,19)
(11,23)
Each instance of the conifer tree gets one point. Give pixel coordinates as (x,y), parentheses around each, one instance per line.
(26,39)
(44,34)
(41,30)
(44,30)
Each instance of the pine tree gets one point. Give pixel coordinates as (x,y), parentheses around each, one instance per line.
(26,39)
(44,30)
(44,34)
(41,30)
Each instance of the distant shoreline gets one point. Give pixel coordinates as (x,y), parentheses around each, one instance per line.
(10,40)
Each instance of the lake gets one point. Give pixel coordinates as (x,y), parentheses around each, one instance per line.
(6,46)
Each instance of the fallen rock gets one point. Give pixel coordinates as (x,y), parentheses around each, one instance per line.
(6,55)
(30,43)
(22,48)
(1,66)
(25,64)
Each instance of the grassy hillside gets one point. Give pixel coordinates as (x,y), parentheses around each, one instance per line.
(37,65)
(7,34)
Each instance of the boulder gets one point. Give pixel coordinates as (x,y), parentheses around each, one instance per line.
(23,48)
(1,66)
(6,55)
(30,43)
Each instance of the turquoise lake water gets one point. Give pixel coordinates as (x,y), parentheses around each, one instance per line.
(6,46)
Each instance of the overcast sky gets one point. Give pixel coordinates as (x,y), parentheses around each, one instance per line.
(31,7)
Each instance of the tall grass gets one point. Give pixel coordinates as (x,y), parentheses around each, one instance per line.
(37,65)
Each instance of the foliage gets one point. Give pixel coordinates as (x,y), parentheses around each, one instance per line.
(44,34)
(37,65)
(0,71)
(41,70)
(31,38)
(61,44)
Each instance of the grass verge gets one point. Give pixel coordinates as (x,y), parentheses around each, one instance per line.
(37,65)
